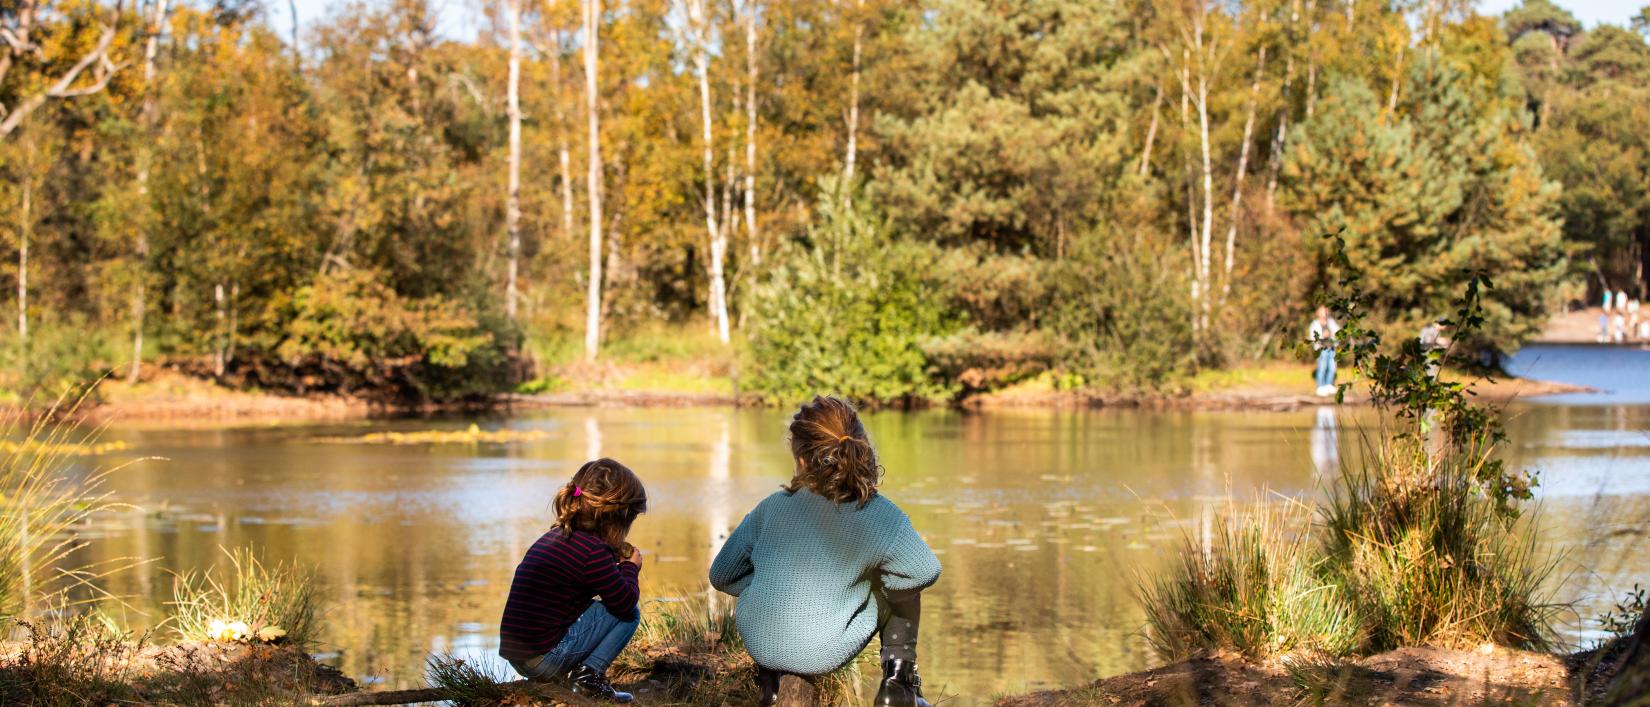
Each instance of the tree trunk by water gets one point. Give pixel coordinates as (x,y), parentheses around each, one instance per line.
(751,234)
(512,208)
(564,155)
(1242,171)
(1276,161)
(593,296)
(852,151)
(699,27)
(25,228)
(218,359)
(147,118)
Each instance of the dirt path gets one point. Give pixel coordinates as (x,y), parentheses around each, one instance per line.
(1408,676)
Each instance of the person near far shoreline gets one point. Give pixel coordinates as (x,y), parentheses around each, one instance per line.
(827,562)
(553,630)
(1607,296)
(1322,337)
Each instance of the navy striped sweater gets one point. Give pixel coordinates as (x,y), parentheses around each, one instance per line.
(555,583)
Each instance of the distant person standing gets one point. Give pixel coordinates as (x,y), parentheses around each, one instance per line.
(1607,295)
(1322,337)
(1621,301)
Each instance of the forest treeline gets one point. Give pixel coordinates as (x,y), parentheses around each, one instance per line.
(884,198)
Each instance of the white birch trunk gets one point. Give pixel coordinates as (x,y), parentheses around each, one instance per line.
(1208,183)
(149,114)
(565,155)
(218,314)
(593,297)
(1242,171)
(1151,133)
(852,154)
(751,233)
(25,229)
(512,207)
(700,27)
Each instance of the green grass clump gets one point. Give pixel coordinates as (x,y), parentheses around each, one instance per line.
(264,599)
(1256,588)
(75,659)
(1428,557)
(464,683)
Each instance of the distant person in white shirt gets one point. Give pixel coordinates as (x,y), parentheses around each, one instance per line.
(1322,337)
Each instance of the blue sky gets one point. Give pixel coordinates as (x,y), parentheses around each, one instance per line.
(458,16)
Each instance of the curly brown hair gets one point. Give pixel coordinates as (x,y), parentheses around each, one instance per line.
(834,456)
(603,499)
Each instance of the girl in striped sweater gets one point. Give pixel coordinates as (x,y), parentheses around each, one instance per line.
(553,629)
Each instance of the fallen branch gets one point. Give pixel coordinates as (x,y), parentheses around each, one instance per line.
(436,694)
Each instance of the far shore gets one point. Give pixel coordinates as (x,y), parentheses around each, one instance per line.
(169,398)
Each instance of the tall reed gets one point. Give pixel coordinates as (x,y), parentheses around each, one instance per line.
(45,499)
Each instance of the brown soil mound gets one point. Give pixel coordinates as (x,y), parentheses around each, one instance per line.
(111,671)
(1408,676)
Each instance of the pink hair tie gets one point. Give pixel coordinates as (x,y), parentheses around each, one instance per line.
(577,492)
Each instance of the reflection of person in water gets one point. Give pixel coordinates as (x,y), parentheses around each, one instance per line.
(1326,443)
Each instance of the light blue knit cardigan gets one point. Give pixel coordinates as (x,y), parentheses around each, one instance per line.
(806,569)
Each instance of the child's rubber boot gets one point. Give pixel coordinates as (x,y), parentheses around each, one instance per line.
(901,687)
(586,681)
(767,682)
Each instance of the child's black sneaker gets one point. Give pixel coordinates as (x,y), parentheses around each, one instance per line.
(767,682)
(586,681)
(901,687)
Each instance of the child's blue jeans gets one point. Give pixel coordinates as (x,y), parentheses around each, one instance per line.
(594,640)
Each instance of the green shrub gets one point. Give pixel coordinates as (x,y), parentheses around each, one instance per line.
(1256,588)
(256,602)
(65,356)
(348,332)
(847,311)
(1121,313)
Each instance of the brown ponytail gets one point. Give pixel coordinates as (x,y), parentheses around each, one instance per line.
(603,499)
(835,457)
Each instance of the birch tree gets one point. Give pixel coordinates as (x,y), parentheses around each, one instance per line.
(851,152)
(147,119)
(699,36)
(17,31)
(593,297)
(512,207)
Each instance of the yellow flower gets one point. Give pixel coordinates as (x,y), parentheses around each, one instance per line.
(271,634)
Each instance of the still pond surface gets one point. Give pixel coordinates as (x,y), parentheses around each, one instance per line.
(1043,519)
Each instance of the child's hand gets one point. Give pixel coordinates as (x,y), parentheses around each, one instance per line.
(635,557)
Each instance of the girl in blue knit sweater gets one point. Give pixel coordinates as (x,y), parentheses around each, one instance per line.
(825,563)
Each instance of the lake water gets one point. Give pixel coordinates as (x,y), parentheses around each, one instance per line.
(1042,519)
